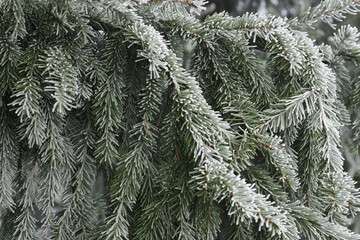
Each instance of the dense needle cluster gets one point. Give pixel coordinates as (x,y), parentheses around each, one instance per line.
(133,119)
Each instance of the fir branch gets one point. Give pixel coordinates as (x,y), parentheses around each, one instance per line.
(244,199)
(266,184)
(320,77)
(226,98)
(310,161)
(211,160)
(331,136)
(28,97)
(223,71)
(180,201)
(252,68)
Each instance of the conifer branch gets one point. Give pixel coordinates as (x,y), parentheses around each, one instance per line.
(356,124)
(28,99)
(108,105)
(26,221)
(279,118)
(314,225)
(346,42)
(55,154)
(134,164)
(326,10)
(274,30)
(178,127)
(14,10)
(8,156)
(76,218)
(198,4)
(61,80)
(10,53)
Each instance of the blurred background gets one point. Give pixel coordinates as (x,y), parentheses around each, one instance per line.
(321,33)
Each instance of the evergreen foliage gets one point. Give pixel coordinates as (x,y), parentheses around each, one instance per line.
(133,119)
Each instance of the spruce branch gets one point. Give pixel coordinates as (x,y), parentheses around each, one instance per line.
(10,54)
(137,161)
(108,104)
(28,98)
(327,10)
(290,112)
(210,159)
(134,75)
(176,74)
(197,5)
(346,42)
(134,119)
(26,221)
(14,16)
(356,123)
(8,155)
(337,195)
(275,31)
(55,156)
(314,225)
(75,220)
(281,157)
(61,80)
(155,221)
